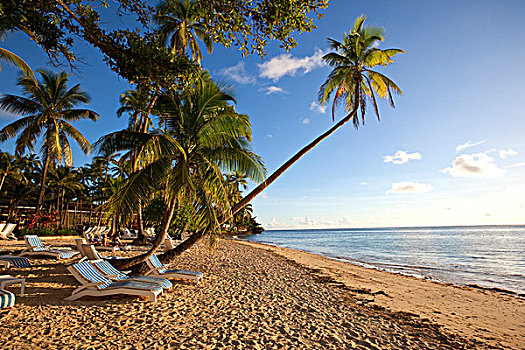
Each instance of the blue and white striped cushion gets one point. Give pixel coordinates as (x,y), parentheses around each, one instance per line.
(156,263)
(7,299)
(136,285)
(109,269)
(165,283)
(91,274)
(17,261)
(185,272)
(64,254)
(34,242)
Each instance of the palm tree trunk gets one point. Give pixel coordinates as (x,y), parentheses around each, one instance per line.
(137,263)
(42,186)
(170,255)
(141,237)
(2,182)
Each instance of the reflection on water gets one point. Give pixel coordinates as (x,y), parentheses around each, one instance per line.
(489,256)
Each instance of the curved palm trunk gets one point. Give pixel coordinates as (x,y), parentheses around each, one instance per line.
(137,263)
(170,255)
(2,182)
(42,186)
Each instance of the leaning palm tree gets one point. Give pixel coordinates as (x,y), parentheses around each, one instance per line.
(180,20)
(354,82)
(48,109)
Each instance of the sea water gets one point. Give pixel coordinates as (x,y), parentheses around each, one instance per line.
(485,256)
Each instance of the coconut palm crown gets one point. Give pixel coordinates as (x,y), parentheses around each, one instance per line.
(179,23)
(49,108)
(352,79)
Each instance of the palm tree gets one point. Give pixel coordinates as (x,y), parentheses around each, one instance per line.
(10,57)
(48,108)
(206,137)
(8,167)
(66,182)
(180,19)
(354,82)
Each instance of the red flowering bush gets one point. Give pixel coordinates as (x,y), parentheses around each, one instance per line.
(44,221)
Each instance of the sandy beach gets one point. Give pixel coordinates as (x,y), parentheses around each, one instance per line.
(261,297)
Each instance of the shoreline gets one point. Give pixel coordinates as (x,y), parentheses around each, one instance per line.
(490,316)
(259,296)
(369,265)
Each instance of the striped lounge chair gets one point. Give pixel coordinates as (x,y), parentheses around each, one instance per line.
(158,269)
(7,299)
(95,284)
(6,232)
(35,247)
(15,261)
(113,274)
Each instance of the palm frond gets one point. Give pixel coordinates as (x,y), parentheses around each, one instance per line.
(16,61)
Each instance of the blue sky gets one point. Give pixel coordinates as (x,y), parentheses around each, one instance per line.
(452,152)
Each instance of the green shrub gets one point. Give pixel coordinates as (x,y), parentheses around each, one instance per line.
(67,232)
(39,231)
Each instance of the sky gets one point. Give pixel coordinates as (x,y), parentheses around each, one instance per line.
(452,152)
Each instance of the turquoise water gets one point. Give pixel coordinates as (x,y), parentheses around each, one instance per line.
(487,256)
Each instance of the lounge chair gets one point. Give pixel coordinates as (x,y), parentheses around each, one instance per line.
(16,261)
(92,254)
(95,284)
(35,247)
(115,275)
(158,269)
(7,231)
(7,299)
(79,242)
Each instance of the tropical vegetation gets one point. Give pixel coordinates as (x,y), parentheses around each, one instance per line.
(183,162)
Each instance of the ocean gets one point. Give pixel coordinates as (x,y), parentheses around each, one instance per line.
(485,256)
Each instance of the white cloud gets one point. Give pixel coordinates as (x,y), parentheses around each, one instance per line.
(363,183)
(238,74)
(314,106)
(478,165)
(410,187)
(304,221)
(401,157)
(520,164)
(286,64)
(272,90)
(306,121)
(345,221)
(505,153)
(273,223)
(269,136)
(468,144)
